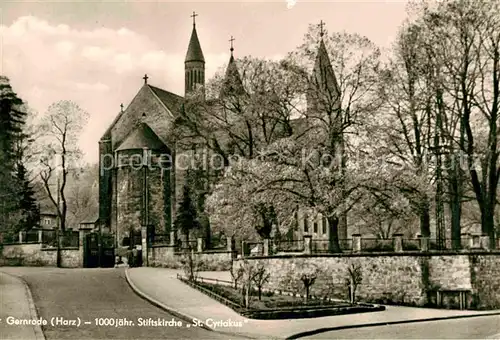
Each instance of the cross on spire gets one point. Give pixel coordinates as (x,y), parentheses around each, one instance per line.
(321,32)
(145,78)
(194,15)
(231,41)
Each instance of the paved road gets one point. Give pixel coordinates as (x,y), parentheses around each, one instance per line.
(98,293)
(483,327)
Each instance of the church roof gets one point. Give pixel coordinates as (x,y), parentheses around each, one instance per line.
(141,137)
(323,71)
(171,100)
(232,81)
(194,52)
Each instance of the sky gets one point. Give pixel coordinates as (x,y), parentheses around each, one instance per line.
(97,52)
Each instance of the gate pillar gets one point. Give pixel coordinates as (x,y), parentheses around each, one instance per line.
(82,234)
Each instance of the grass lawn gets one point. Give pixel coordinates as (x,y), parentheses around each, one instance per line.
(269,301)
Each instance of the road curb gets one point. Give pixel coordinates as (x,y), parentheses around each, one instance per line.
(31,304)
(160,305)
(375,324)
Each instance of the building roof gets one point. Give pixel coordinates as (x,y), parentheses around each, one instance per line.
(48,213)
(323,71)
(194,52)
(142,137)
(93,217)
(232,81)
(171,100)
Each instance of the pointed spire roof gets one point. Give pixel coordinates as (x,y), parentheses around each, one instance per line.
(323,74)
(232,80)
(194,52)
(142,137)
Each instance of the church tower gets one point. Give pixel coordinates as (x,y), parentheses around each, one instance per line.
(324,99)
(194,64)
(324,91)
(232,84)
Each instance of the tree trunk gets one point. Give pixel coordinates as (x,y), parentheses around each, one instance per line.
(333,239)
(456,211)
(307,293)
(488,223)
(425,219)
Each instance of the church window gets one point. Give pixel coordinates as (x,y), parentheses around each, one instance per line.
(324,224)
(315,226)
(306,223)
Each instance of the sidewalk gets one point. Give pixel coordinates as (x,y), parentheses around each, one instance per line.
(161,287)
(16,302)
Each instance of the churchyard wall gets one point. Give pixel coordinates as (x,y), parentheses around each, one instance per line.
(407,279)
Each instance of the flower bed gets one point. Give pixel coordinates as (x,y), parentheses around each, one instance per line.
(276,306)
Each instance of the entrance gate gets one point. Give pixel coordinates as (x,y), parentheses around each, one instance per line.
(95,255)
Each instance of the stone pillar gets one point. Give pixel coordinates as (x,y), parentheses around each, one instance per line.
(144,245)
(485,242)
(307,244)
(356,243)
(40,236)
(266,247)
(199,244)
(81,245)
(466,241)
(424,243)
(172,238)
(20,237)
(229,243)
(398,242)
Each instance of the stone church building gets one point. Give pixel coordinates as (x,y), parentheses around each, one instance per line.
(139,184)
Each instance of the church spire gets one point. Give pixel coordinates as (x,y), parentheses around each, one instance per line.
(323,80)
(232,81)
(194,64)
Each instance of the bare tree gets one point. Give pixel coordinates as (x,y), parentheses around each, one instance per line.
(260,278)
(465,44)
(59,134)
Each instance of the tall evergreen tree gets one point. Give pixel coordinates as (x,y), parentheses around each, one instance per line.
(12,120)
(28,207)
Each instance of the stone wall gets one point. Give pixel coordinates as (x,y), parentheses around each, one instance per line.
(389,278)
(33,255)
(71,258)
(485,274)
(165,256)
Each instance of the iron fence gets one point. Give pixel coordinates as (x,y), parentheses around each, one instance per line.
(69,239)
(346,245)
(218,243)
(285,246)
(30,236)
(49,238)
(160,239)
(376,245)
(411,244)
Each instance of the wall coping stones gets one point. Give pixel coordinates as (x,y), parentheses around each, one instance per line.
(376,254)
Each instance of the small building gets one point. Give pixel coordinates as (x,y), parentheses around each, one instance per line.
(48,219)
(90,222)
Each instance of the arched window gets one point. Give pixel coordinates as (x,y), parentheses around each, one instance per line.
(306,223)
